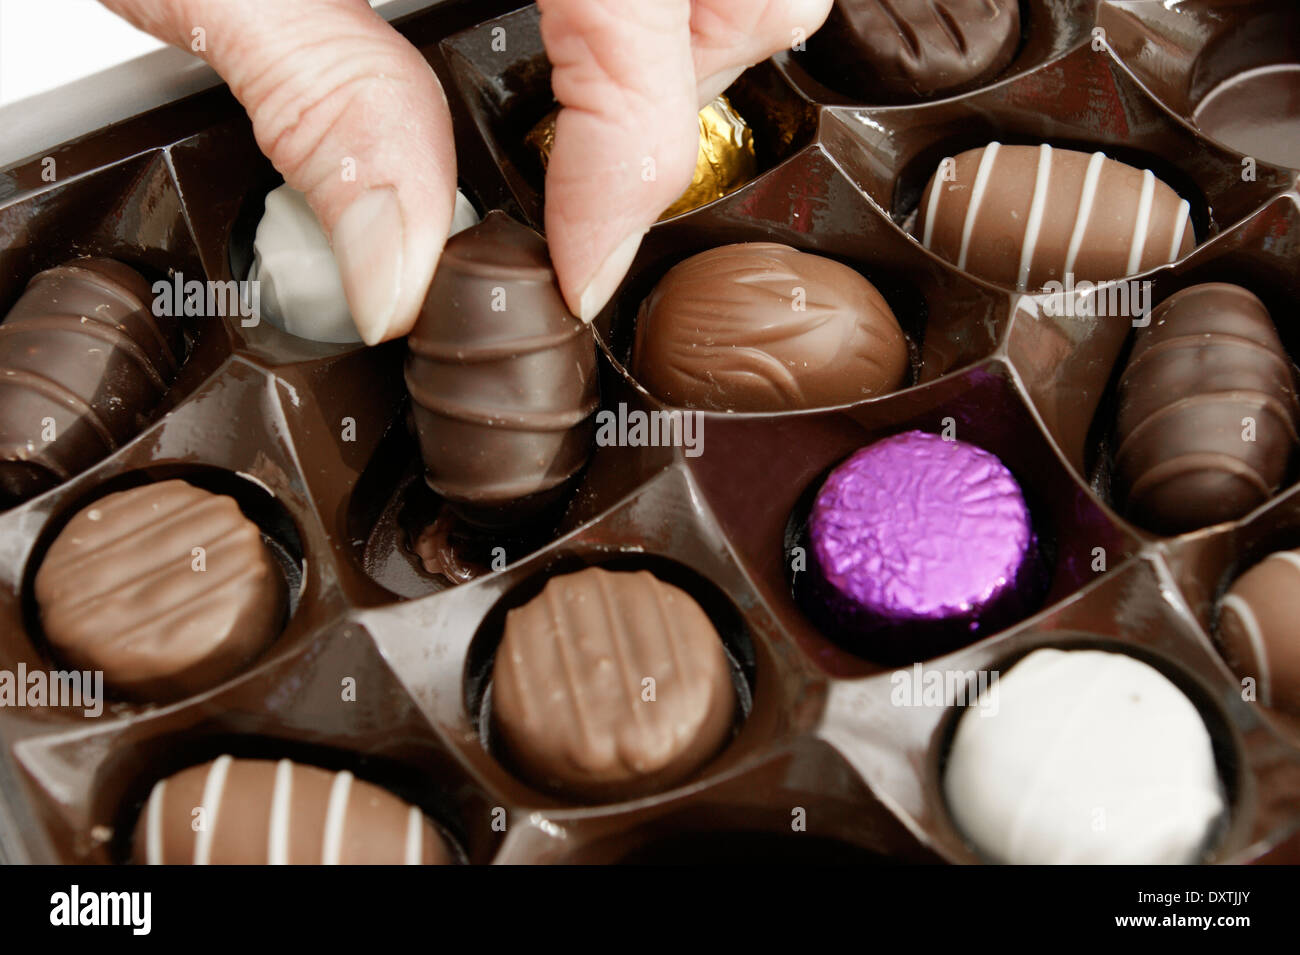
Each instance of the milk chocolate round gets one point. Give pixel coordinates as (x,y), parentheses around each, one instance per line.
(610,685)
(916,48)
(759,326)
(83,364)
(1084,757)
(263,812)
(1026,216)
(1257,630)
(1206,425)
(166,588)
(502,377)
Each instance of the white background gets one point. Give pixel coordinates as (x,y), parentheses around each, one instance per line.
(70,66)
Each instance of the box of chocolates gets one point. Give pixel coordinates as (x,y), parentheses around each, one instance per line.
(925,493)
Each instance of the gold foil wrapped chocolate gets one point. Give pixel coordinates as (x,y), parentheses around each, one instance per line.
(725,162)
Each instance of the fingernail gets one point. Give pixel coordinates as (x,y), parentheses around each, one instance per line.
(711,87)
(607,277)
(369,246)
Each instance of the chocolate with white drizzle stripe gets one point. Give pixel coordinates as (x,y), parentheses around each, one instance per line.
(258,811)
(83,363)
(166,588)
(1024,216)
(1206,424)
(1257,629)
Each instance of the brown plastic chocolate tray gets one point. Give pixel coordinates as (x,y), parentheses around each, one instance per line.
(259,414)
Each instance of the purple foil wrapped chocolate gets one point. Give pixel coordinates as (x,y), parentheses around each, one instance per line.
(919,545)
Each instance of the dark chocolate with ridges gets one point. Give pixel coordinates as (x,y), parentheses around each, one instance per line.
(610,685)
(166,588)
(83,363)
(264,812)
(502,377)
(1206,425)
(917,48)
(759,326)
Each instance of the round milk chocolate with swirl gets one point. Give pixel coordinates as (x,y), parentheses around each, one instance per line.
(264,812)
(166,588)
(1206,426)
(83,364)
(1024,216)
(502,377)
(759,326)
(610,685)
(917,48)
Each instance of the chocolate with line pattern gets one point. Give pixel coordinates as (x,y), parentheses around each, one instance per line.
(1024,216)
(609,685)
(917,48)
(166,588)
(1206,425)
(502,377)
(83,364)
(760,326)
(1257,633)
(258,811)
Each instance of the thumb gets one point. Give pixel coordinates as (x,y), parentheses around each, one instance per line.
(626,139)
(352,115)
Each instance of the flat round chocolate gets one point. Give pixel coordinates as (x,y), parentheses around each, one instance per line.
(610,685)
(919,544)
(1257,629)
(759,326)
(166,588)
(258,812)
(1084,757)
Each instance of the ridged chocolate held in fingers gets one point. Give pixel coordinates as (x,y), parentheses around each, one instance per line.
(759,326)
(166,588)
(259,812)
(83,364)
(502,377)
(1206,427)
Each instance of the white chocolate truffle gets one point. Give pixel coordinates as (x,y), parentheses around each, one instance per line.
(1084,756)
(301,289)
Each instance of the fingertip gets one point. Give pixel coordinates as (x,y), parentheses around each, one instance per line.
(595,294)
(386,261)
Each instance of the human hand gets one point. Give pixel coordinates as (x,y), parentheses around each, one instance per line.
(325,81)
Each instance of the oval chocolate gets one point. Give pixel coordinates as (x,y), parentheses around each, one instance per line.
(502,376)
(1257,633)
(83,364)
(1206,425)
(759,326)
(1025,216)
(258,812)
(916,48)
